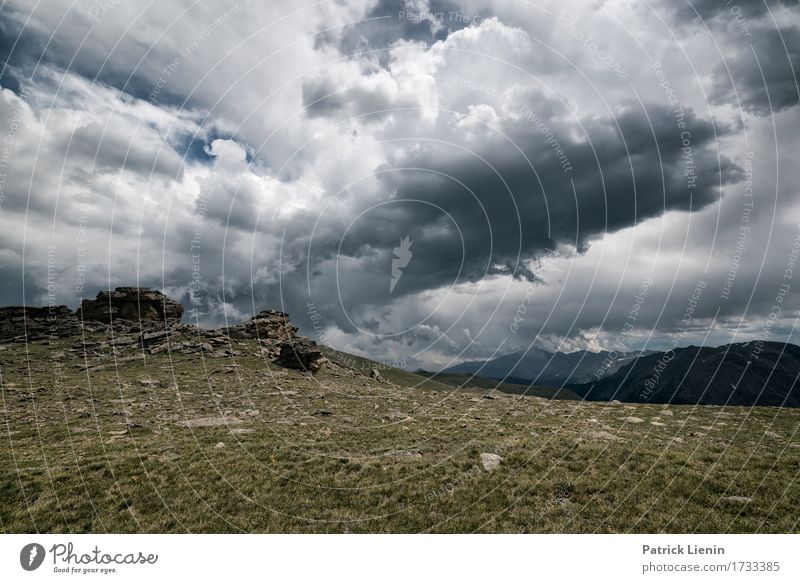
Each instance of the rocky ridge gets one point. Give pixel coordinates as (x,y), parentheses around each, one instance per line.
(131,304)
(141,321)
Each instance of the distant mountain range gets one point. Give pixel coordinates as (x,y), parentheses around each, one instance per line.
(547,369)
(748,374)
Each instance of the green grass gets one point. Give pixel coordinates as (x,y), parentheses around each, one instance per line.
(107,451)
(466,381)
(392,374)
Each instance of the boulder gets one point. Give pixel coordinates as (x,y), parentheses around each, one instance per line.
(301,354)
(135,304)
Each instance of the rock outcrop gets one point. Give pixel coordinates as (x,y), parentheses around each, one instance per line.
(270,325)
(134,304)
(301,354)
(186,339)
(136,321)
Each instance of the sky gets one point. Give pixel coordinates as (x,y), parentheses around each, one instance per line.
(419,181)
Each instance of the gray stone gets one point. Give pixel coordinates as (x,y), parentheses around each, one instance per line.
(601,435)
(210,422)
(404,453)
(490,461)
(738,499)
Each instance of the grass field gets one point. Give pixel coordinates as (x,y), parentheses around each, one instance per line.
(466,381)
(183,443)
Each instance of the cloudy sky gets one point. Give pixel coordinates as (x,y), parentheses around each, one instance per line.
(422,180)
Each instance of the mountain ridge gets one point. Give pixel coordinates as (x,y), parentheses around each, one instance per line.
(745,374)
(539,366)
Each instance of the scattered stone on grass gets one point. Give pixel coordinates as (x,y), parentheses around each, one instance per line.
(490,461)
(210,422)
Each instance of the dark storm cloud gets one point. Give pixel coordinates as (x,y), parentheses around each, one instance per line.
(477,186)
(80,46)
(689,11)
(755,41)
(28,47)
(498,212)
(9,35)
(485,206)
(11,287)
(762,78)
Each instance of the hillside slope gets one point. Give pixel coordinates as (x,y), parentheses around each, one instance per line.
(395,375)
